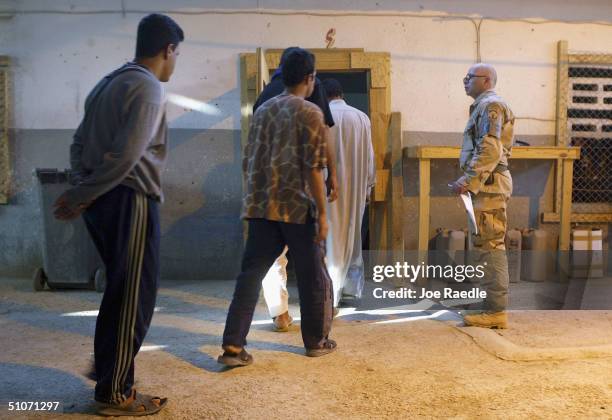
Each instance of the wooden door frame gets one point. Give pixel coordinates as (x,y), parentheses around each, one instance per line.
(378,64)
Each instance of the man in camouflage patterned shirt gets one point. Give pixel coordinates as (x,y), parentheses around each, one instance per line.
(284,204)
(487,143)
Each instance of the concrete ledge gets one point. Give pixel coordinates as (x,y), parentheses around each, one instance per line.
(504,349)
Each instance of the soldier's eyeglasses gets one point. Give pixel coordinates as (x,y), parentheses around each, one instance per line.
(470,77)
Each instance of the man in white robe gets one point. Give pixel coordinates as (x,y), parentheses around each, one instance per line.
(351,141)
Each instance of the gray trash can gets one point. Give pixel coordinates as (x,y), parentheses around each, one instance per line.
(70,258)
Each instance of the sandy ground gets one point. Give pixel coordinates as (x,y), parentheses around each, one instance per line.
(388,365)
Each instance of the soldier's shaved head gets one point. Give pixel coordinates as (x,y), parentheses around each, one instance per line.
(486,69)
(480,78)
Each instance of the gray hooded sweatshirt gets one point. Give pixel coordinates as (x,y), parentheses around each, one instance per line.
(122,139)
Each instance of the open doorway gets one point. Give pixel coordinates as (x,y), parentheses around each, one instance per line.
(370,73)
(355,86)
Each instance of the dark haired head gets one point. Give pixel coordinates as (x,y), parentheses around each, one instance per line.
(333,88)
(155,33)
(298,64)
(286,52)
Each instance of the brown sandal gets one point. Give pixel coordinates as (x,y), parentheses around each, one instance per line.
(136,405)
(280,326)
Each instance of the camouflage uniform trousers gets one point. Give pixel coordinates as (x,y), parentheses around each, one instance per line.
(488,248)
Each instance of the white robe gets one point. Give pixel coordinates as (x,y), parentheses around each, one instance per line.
(351,141)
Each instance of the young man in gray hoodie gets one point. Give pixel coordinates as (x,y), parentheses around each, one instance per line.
(117,157)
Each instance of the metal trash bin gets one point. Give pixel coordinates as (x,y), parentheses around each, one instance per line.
(70,258)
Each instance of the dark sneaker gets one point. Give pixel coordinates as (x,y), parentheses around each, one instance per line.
(235,359)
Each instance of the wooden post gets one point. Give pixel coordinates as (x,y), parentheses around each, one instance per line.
(263,73)
(424,189)
(245,104)
(248,86)
(561,123)
(380,110)
(423,238)
(566,205)
(397,185)
(565,219)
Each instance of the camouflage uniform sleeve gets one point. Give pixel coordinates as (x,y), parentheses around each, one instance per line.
(488,148)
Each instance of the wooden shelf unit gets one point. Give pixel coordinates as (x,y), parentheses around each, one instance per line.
(564,155)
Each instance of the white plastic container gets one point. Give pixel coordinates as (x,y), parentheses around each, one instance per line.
(587,253)
(535,255)
(449,247)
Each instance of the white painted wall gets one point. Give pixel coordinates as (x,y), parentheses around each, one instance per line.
(58,57)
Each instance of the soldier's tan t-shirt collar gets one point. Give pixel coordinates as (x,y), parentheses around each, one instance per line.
(482,96)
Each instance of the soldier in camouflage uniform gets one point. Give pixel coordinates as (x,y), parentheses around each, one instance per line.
(487,142)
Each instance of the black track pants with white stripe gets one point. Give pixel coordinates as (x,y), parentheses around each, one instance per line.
(124,225)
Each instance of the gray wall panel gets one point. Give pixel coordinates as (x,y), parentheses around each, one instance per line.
(201,229)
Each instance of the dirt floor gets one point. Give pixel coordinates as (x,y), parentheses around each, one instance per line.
(389,364)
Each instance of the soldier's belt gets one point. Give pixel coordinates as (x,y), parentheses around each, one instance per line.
(500,168)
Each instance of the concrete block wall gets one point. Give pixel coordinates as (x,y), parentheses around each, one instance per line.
(58,57)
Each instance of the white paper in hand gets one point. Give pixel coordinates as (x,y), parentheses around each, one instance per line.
(469,208)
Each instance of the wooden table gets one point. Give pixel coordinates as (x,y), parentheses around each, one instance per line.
(426,153)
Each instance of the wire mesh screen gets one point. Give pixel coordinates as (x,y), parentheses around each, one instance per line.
(589,119)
